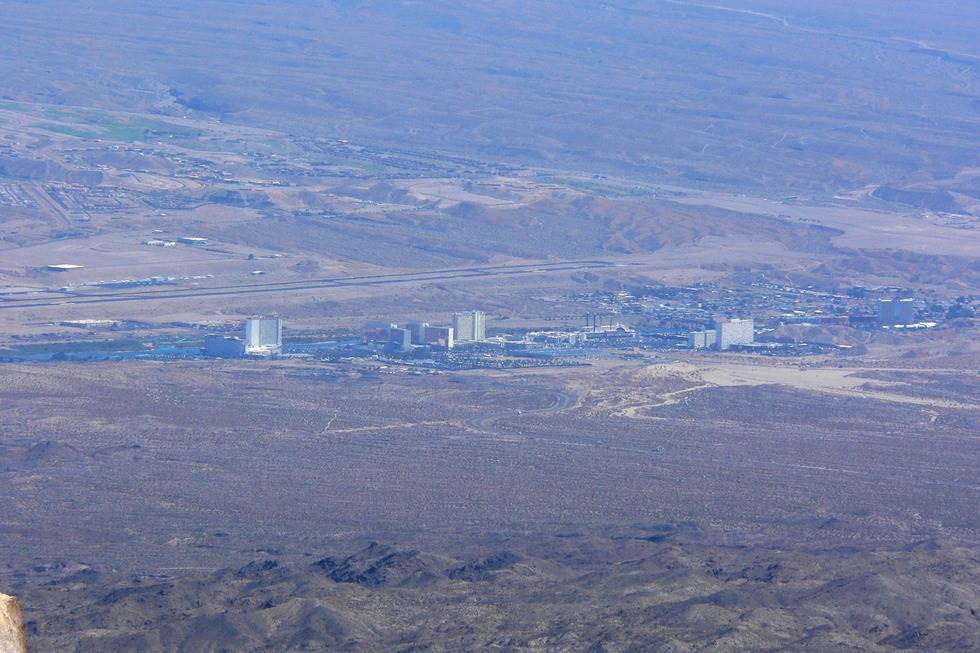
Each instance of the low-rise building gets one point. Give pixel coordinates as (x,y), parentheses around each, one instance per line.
(224,346)
(375,332)
(612,333)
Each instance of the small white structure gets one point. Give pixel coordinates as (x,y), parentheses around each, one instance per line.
(62,267)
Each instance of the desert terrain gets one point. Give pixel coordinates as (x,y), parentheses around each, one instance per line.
(169,170)
(620,483)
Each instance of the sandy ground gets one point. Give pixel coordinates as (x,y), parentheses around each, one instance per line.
(828,380)
(11,626)
(862,228)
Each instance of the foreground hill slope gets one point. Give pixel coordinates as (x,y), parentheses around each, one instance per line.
(654,588)
(12,638)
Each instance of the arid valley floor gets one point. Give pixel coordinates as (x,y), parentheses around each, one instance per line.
(692,503)
(169,169)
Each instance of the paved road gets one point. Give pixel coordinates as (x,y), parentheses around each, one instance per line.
(102,296)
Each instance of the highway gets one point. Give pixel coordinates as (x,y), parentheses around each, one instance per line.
(147,293)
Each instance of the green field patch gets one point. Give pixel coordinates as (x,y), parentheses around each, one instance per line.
(122,132)
(138,128)
(210,145)
(112,128)
(64,116)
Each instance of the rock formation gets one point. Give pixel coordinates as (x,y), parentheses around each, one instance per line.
(12,639)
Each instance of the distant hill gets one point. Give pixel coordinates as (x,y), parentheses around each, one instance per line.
(761,94)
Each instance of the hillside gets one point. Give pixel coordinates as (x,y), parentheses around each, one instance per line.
(657,586)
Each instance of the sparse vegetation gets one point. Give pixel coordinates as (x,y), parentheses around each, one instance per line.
(663,164)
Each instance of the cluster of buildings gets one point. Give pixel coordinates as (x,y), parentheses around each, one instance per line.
(729,333)
(726,334)
(674,312)
(469,326)
(262,337)
(597,330)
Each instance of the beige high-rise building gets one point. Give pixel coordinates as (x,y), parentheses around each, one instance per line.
(701,339)
(470,326)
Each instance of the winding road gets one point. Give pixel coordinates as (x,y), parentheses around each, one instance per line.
(561,401)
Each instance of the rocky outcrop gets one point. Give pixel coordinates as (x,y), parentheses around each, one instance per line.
(484,568)
(378,565)
(12,639)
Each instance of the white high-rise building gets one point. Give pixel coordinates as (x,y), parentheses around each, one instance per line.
(896,311)
(735,332)
(701,339)
(470,326)
(263,335)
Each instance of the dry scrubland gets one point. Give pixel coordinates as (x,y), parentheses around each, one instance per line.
(824,99)
(677,503)
(650,587)
(703,503)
